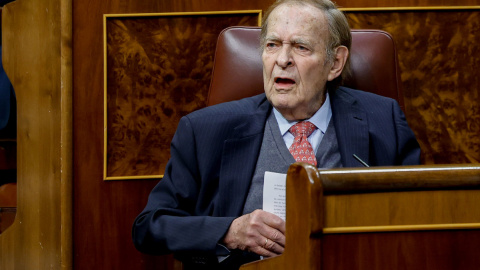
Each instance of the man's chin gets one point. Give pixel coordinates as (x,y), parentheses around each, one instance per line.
(281,105)
(284,89)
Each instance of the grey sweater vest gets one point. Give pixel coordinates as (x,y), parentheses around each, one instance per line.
(275,157)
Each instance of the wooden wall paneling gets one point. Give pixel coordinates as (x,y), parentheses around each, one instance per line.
(209,5)
(404,3)
(37,58)
(104,211)
(438,65)
(439,250)
(158,68)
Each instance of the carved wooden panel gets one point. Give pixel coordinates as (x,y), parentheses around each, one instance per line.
(158,69)
(437,52)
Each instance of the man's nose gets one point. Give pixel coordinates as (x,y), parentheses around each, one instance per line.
(284,57)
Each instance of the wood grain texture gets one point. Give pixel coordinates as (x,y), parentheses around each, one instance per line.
(439,250)
(404,3)
(361,197)
(159,69)
(38,43)
(361,180)
(438,64)
(104,211)
(387,209)
(446,249)
(37,58)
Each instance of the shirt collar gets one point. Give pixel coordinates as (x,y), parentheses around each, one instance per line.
(320,119)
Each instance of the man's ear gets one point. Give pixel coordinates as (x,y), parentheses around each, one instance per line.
(341,55)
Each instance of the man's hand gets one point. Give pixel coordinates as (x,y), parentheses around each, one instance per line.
(260,232)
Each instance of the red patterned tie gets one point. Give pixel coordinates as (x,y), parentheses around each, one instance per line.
(301,149)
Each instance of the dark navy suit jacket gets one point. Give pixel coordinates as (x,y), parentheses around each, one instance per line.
(7,98)
(213,158)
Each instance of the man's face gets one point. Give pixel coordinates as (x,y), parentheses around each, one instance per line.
(295,67)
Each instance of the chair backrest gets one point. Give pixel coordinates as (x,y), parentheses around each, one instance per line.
(237,71)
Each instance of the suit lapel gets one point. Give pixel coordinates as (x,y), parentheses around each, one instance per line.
(351,126)
(239,157)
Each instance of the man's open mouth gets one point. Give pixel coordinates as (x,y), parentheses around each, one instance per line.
(284,81)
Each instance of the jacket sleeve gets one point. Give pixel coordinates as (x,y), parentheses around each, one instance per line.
(171,221)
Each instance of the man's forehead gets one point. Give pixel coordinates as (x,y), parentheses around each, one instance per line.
(306,8)
(304,30)
(310,18)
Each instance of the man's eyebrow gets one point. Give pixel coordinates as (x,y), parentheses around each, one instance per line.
(272,38)
(293,41)
(301,41)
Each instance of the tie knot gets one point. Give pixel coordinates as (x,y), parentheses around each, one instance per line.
(302,128)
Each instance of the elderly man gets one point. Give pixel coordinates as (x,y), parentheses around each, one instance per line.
(208,205)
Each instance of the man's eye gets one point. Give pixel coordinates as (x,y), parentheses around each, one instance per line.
(302,48)
(270,45)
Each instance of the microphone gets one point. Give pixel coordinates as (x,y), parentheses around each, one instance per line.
(360,160)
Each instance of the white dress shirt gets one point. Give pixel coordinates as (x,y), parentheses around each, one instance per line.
(320,119)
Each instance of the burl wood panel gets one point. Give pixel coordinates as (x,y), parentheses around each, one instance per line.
(158,70)
(437,52)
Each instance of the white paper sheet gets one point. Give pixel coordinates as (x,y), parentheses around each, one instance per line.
(274,193)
